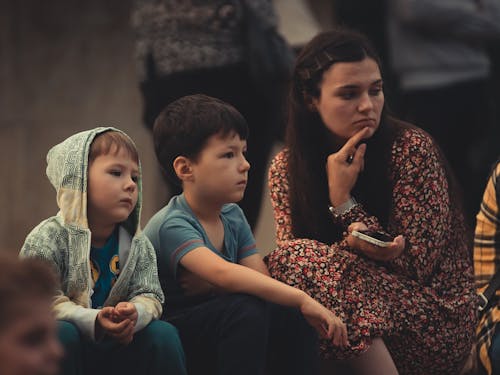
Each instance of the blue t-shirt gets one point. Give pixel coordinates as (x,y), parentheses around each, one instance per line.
(174,231)
(105,266)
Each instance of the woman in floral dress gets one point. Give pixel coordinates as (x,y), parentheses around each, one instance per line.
(348,165)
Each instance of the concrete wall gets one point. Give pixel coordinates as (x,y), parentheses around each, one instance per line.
(66,66)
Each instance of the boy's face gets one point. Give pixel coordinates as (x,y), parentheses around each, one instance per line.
(29,343)
(112,188)
(221,171)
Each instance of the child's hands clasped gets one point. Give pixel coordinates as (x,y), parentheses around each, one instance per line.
(328,325)
(118,322)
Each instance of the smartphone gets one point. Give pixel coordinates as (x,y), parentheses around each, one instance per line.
(374,237)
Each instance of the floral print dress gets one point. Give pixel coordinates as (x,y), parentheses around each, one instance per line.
(423,303)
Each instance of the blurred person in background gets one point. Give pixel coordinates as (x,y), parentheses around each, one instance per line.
(438,52)
(187,47)
(28,332)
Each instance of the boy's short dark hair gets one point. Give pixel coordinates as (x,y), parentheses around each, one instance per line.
(184,126)
(112,141)
(22,280)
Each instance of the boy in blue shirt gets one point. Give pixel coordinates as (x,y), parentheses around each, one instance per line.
(110,296)
(231,316)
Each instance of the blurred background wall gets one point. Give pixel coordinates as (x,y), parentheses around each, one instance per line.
(67,66)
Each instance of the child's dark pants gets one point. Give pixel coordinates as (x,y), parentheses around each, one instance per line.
(156,349)
(242,334)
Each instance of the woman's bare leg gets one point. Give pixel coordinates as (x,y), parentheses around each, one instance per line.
(375,361)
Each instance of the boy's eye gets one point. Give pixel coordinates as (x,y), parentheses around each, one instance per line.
(229,155)
(115,173)
(135,178)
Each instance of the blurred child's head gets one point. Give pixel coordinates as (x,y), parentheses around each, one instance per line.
(184,127)
(28,333)
(112,178)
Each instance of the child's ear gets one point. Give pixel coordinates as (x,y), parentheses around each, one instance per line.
(182,167)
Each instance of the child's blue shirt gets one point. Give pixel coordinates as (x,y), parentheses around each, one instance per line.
(105,266)
(175,231)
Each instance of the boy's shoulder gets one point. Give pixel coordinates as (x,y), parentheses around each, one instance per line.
(175,212)
(232,210)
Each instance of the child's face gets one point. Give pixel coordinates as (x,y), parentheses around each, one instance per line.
(29,343)
(112,188)
(221,171)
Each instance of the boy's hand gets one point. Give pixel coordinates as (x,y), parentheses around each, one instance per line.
(122,331)
(325,322)
(194,285)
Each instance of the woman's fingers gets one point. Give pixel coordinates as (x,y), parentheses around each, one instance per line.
(349,148)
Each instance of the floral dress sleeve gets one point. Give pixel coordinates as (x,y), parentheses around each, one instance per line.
(278,185)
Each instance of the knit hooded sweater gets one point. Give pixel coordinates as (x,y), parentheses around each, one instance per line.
(64,241)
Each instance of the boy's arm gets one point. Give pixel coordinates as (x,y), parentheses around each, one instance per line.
(183,245)
(240,279)
(256,263)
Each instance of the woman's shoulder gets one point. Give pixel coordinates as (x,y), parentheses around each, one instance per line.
(413,141)
(280,160)
(412,135)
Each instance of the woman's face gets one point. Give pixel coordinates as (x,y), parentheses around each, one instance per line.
(351,98)
(29,343)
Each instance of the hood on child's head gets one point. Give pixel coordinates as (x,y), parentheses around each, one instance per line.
(67,170)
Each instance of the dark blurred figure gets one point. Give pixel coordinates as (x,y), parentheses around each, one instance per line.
(438,51)
(187,47)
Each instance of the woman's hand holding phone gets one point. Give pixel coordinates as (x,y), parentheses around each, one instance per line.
(384,251)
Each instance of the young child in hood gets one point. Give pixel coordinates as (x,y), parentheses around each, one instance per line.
(110,296)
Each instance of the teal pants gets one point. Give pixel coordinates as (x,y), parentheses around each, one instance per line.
(156,349)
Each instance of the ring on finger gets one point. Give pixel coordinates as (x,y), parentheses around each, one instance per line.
(349,159)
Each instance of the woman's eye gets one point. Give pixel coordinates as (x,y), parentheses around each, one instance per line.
(376,91)
(348,95)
